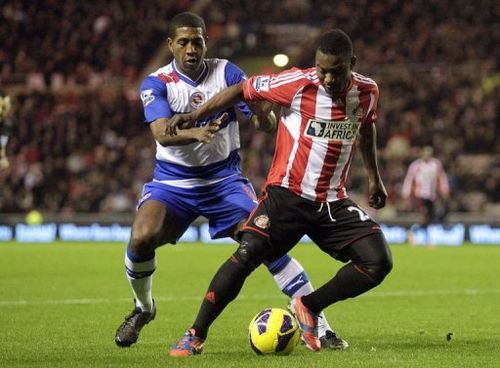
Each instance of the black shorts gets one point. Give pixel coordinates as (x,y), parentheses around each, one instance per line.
(283,218)
(426,208)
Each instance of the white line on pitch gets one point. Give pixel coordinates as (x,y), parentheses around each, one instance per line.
(381,294)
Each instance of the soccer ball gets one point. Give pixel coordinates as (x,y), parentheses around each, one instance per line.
(273,331)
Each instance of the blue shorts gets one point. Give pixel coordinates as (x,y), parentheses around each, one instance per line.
(224,204)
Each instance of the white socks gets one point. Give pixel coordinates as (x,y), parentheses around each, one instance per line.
(140,277)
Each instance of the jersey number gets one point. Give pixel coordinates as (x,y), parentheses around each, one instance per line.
(362,216)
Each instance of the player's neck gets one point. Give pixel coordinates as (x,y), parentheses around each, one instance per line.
(194,75)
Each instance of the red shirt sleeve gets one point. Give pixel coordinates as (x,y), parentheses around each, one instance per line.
(276,88)
(370,115)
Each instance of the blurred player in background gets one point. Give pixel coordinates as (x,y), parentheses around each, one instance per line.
(426,183)
(197,172)
(325,109)
(5,128)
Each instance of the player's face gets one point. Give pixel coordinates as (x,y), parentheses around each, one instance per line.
(426,153)
(334,71)
(189,47)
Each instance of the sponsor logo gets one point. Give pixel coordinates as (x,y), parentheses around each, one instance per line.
(343,130)
(210,297)
(262,221)
(197,99)
(147,97)
(262,83)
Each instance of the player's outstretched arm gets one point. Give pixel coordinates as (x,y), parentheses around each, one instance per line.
(221,101)
(185,136)
(367,145)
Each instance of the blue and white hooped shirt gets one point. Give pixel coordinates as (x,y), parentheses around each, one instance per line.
(167,92)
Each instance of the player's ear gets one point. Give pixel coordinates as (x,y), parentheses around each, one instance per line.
(169,44)
(353,61)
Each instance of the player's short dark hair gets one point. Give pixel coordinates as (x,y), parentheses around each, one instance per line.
(335,42)
(186,19)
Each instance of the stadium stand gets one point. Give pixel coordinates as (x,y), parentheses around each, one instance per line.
(73,68)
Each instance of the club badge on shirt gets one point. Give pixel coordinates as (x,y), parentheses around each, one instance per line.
(196,99)
(262,221)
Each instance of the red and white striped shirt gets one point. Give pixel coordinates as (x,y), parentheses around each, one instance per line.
(316,136)
(425,179)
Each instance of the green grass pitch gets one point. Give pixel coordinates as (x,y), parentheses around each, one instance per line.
(61,303)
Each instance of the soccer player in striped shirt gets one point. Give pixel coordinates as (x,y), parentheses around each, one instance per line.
(197,173)
(325,109)
(426,182)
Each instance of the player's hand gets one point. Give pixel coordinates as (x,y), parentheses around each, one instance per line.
(260,108)
(179,121)
(377,195)
(206,133)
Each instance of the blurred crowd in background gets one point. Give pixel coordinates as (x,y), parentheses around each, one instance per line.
(73,68)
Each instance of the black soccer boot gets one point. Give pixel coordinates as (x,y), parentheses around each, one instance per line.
(128,332)
(330,340)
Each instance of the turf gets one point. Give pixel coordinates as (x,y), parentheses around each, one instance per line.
(61,303)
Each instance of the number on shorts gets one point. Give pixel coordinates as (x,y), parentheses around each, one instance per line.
(362,216)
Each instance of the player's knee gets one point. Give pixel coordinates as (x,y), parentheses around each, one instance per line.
(374,257)
(144,239)
(379,266)
(251,252)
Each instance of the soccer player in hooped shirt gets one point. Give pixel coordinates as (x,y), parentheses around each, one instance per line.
(324,110)
(197,172)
